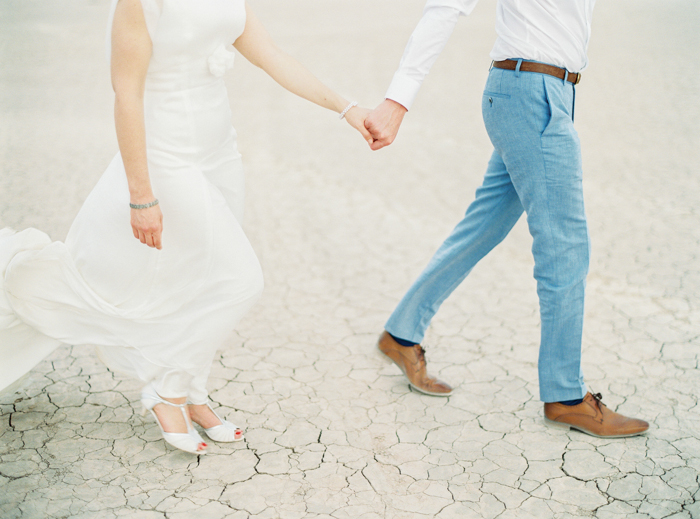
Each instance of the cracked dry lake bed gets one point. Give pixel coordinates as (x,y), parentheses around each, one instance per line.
(339,437)
(332,430)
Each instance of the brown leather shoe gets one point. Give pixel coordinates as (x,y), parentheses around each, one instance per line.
(592,417)
(411,360)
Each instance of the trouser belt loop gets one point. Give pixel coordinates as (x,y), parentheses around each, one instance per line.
(517,67)
(566,76)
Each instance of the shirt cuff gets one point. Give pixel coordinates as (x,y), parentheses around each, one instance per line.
(403,90)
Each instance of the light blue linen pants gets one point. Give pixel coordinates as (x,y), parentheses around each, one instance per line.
(536,168)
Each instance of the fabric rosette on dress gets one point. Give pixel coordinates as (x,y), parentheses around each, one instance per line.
(221,60)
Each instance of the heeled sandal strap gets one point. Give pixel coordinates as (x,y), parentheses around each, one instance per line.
(185,415)
(223,422)
(210,408)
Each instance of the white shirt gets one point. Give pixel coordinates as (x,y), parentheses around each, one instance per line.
(549,31)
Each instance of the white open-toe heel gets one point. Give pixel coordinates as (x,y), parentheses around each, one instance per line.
(226,432)
(190,441)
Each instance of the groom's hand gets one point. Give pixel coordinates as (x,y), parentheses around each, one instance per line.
(384,122)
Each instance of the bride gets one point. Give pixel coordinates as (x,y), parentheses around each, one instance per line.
(156,271)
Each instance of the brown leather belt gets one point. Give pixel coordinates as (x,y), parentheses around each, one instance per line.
(529,66)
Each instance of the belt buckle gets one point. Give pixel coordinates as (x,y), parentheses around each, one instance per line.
(578,78)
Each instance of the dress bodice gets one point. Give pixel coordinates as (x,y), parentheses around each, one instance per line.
(187,113)
(192,41)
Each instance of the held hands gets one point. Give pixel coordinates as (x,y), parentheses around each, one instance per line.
(147,225)
(383,123)
(356,118)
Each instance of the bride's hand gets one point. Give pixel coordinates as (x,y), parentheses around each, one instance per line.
(356,118)
(147,225)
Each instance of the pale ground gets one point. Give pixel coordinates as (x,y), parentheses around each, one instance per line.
(332,430)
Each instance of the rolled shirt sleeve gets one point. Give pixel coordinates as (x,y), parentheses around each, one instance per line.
(424,46)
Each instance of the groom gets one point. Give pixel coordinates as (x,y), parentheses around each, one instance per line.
(528,108)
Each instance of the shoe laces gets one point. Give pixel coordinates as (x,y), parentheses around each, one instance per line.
(598,399)
(421,353)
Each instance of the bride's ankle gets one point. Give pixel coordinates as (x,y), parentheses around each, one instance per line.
(202,415)
(170,418)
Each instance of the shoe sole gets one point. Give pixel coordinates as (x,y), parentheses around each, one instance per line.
(389,360)
(561,425)
(428,392)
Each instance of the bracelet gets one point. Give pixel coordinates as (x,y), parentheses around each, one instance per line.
(347,109)
(144,206)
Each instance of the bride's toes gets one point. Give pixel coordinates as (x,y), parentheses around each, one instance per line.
(226,432)
(214,426)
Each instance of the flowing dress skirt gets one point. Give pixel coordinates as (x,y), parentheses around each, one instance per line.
(156,315)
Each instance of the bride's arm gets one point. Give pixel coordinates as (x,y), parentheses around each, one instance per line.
(131,54)
(256,45)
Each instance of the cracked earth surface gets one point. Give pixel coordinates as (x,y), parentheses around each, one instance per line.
(333,431)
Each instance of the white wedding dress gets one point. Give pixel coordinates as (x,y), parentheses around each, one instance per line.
(157,315)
